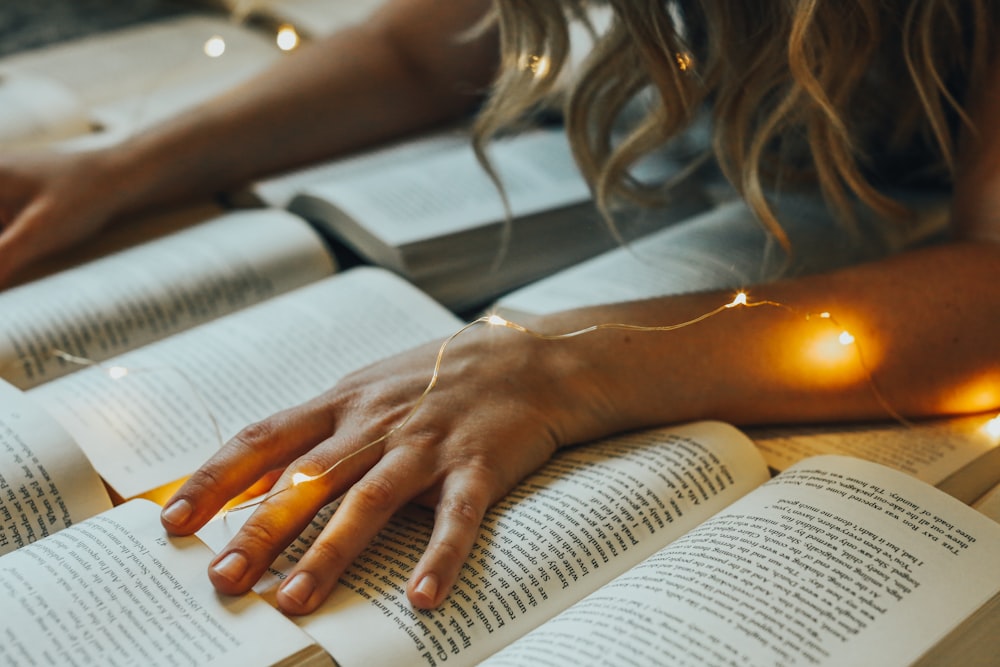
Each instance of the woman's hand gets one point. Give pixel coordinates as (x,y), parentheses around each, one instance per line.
(51,201)
(503,404)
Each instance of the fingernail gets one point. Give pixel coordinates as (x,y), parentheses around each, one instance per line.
(299,588)
(232,566)
(428,587)
(177,513)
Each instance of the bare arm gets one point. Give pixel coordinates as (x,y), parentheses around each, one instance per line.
(406,68)
(925,322)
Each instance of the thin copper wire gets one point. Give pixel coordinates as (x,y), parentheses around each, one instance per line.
(495,320)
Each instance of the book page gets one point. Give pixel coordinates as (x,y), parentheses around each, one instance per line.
(150,417)
(35,110)
(116,590)
(590,514)
(313,18)
(46,483)
(278,191)
(942,452)
(134,62)
(150,291)
(450,192)
(723,248)
(835,562)
(989,503)
(122,235)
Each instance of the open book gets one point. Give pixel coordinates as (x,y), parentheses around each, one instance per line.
(186,272)
(311,18)
(725,247)
(427,211)
(664,543)
(103,88)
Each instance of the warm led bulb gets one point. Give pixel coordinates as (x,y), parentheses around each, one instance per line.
(739,300)
(287,38)
(496,320)
(300,477)
(537,65)
(845,338)
(117,372)
(992,428)
(215,47)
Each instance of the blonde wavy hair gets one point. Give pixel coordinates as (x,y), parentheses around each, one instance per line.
(851,82)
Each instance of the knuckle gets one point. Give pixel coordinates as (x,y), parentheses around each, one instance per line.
(448,551)
(459,510)
(259,537)
(254,435)
(209,476)
(374,494)
(328,554)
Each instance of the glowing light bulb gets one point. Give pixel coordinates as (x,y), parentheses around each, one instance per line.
(992,428)
(496,321)
(537,65)
(287,38)
(684,61)
(215,46)
(300,478)
(845,338)
(825,315)
(739,300)
(117,372)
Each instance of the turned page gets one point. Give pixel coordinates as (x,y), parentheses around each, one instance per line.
(154,415)
(278,191)
(449,192)
(46,483)
(722,248)
(837,561)
(36,110)
(116,590)
(128,79)
(92,312)
(957,455)
(586,517)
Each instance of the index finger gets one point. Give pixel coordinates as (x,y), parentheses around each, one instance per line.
(255,451)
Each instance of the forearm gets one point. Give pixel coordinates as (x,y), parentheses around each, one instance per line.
(365,84)
(923,324)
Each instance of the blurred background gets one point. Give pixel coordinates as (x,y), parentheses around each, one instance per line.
(28,25)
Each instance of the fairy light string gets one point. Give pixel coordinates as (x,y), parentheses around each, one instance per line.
(740,300)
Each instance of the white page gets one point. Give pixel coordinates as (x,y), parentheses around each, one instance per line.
(135,61)
(150,291)
(719,249)
(46,483)
(836,563)
(129,79)
(122,235)
(278,191)
(35,110)
(592,513)
(989,504)
(116,590)
(311,17)
(186,394)
(930,451)
(450,192)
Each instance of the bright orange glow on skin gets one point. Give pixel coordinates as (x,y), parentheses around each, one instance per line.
(980,395)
